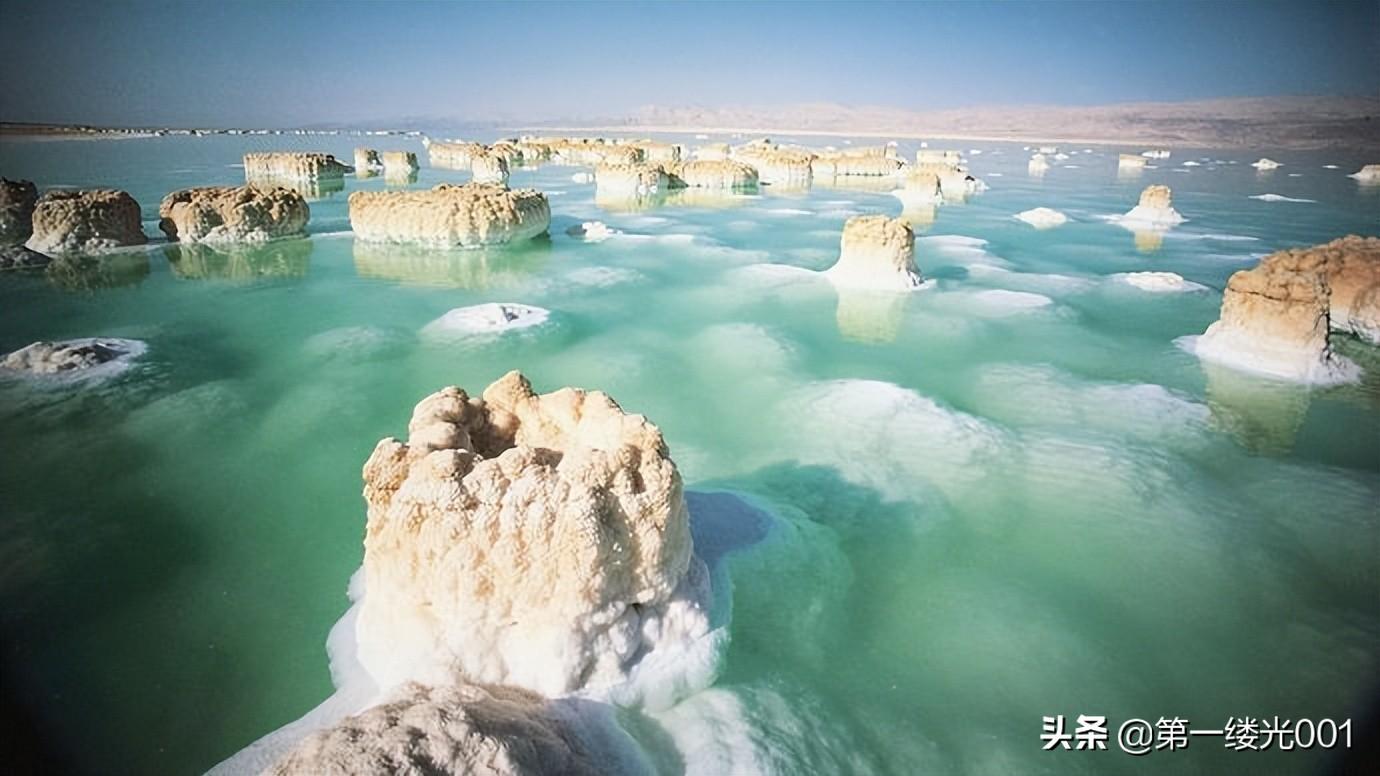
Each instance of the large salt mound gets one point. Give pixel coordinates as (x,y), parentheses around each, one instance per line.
(461,730)
(481,319)
(876,252)
(220,214)
(85,222)
(1042,217)
(1367,174)
(534,540)
(448,215)
(1154,210)
(304,167)
(1276,317)
(1279,198)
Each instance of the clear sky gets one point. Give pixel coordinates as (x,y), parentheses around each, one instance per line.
(293,63)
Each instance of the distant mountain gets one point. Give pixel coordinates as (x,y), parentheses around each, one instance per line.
(1275,122)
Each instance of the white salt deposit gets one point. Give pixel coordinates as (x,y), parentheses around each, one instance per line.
(1278,198)
(1158,282)
(1042,217)
(486,319)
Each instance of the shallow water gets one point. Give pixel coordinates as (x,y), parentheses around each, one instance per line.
(988,507)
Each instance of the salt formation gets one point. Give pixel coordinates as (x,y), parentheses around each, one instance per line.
(489,318)
(838,165)
(367,162)
(721,174)
(711,152)
(449,215)
(876,252)
(630,179)
(654,151)
(17,201)
(920,189)
(1155,209)
(490,168)
(78,355)
(1158,282)
(778,166)
(591,231)
(1130,162)
(85,221)
(1042,217)
(534,540)
(220,214)
(1266,164)
(301,167)
(1276,318)
(455,156)
(1038,165)
(398,163)
(1159,153)
(1049,150)
(935,156)
(458,729)
(1368,174)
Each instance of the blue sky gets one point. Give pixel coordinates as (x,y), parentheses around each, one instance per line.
(292,63)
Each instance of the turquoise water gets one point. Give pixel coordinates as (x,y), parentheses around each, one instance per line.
(982,515)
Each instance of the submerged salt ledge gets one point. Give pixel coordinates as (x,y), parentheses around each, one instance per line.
(1158,282)
(86,359)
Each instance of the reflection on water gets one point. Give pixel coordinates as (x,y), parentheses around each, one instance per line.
(1149,240)
(870,316)
(312,190)
(1263,415)
(469,268)
(397,177)
(708,198)
(93,273)
(1127,174)
(280,258)
(627,202)
(872,184)
(920,217)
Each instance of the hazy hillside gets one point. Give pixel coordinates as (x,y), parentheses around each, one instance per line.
(1292,122)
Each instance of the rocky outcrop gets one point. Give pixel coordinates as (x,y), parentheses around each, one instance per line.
(1277,317)
(367,161)
(1367,174)
(1042,217)
(876,252)
(449,215)
(457,730)
(85,222)
(49,358)
(1155,210)
(297,166)
(534,540)
(722,174)
(490,168)
(398,164)
(227,214)
(17,201)
(631,179)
